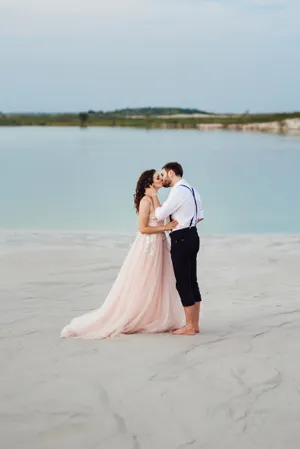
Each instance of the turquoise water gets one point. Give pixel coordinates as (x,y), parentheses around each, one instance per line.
(67,178)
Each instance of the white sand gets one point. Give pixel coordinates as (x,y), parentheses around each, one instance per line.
(236,386)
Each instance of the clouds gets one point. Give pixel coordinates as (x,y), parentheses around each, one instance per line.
(70,17)
(70,6)
(35,17)
(213,54)
(273,3)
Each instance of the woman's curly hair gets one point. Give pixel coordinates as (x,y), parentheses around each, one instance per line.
(144,181)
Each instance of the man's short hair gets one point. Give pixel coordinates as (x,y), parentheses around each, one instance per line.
(175,167)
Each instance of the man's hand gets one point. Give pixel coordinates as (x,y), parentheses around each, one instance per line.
(151,192)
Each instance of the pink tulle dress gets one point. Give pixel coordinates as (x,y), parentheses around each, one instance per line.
(143,297)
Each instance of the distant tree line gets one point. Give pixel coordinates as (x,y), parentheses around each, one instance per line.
(157,111)
(159,118)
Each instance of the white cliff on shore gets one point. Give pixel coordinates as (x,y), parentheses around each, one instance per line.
(291,126)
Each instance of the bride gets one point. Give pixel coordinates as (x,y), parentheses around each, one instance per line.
(144,296)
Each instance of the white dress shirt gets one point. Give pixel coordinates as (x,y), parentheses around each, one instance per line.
(181,205)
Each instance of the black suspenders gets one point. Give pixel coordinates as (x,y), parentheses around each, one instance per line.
(193,193)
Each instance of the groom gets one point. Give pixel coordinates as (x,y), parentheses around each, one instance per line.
(183,205)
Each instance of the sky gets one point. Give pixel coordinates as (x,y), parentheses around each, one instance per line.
(215,55)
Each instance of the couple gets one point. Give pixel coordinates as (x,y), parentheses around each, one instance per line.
(151,284)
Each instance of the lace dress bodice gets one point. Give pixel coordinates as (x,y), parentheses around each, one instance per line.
(153,221)
(150,240)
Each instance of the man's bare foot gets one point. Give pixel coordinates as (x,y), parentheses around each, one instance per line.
(184,331)
(197,330)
